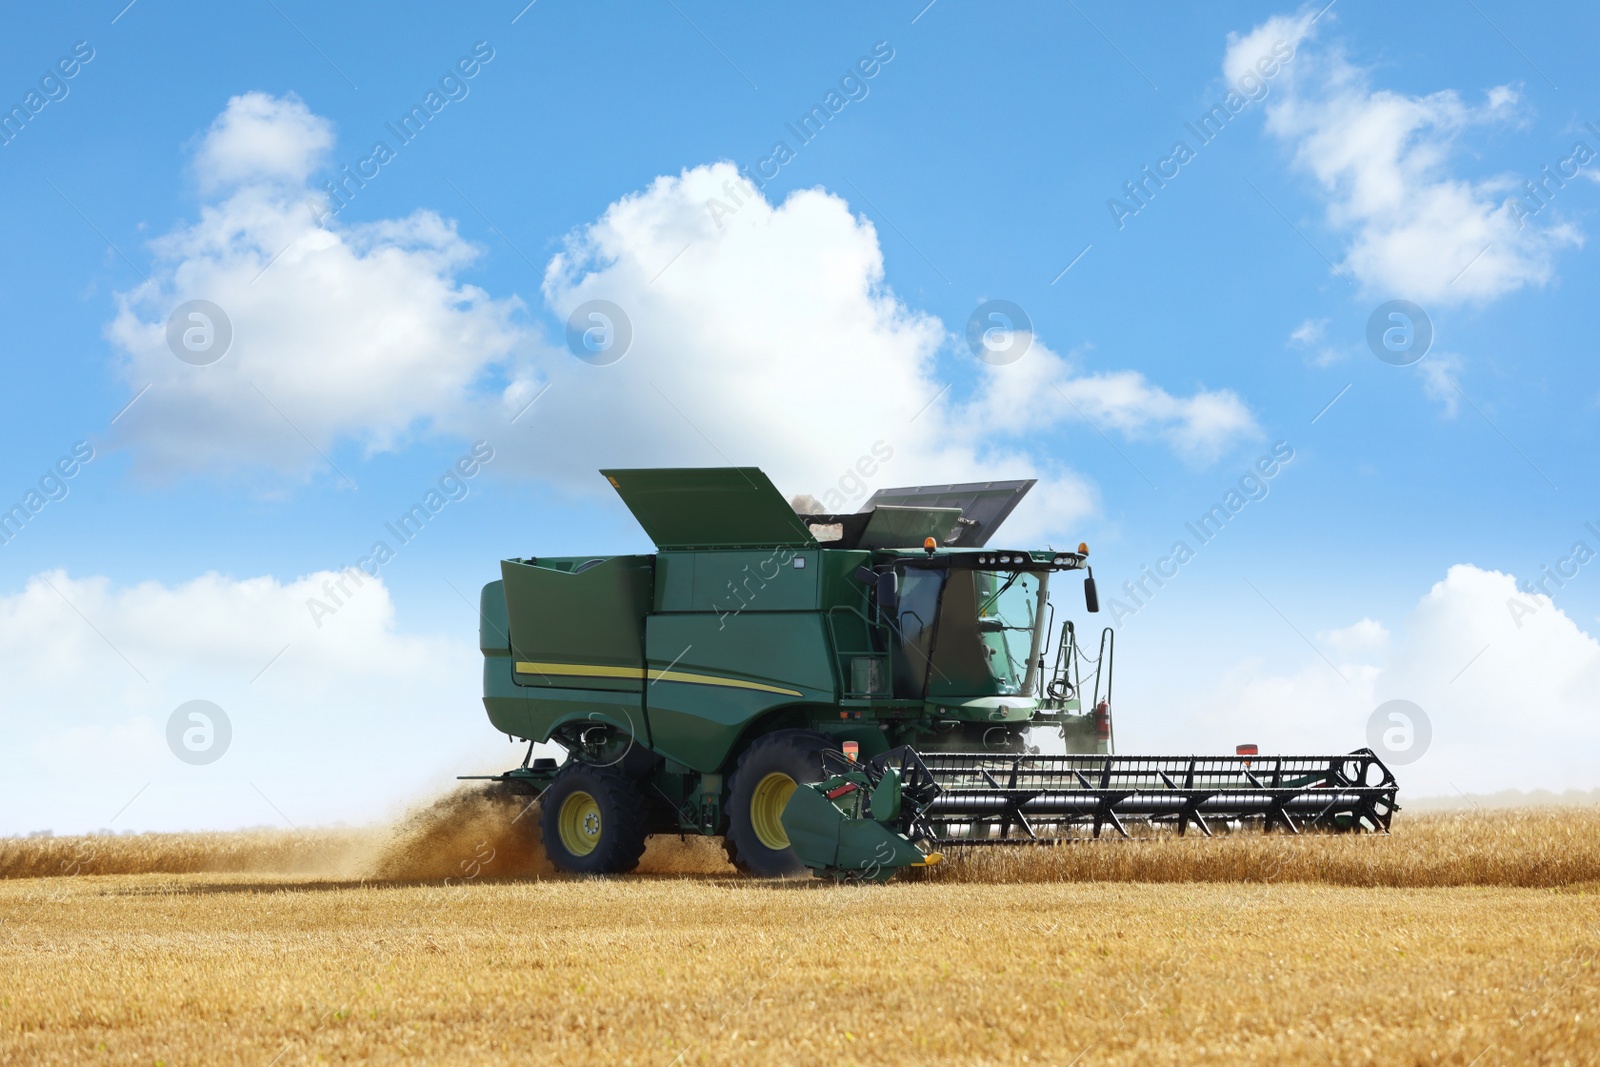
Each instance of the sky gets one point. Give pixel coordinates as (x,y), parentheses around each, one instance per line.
(280,272)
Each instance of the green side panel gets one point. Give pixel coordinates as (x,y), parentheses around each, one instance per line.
(494,630)
(588,617)
(534,713)
(674,580)
(839,586)
(697,722)
(738,580)
(710,507)
(892,526)
(755,581)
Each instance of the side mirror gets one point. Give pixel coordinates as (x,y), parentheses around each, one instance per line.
(1091,597)
(889,592)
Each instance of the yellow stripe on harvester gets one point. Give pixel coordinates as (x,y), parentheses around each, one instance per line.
(580,670)
(595,670)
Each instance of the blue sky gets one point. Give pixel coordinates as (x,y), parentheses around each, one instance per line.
(595,153)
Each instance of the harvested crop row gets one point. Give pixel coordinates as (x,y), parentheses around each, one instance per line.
(467,835)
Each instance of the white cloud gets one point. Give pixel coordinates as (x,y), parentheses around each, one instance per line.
(1310,332)
(262,138)
(1441,373)
(764,337)
(350,718)
(1312,335)
(768,336)
(762,334)
(1043,389)
(1511,706)
(1382,162)
(1246,50)
(357,332)
(1368,636)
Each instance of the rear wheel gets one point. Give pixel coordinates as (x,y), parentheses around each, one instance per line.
(766,777)
(593,820)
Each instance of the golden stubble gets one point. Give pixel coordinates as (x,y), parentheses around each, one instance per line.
(1459,940)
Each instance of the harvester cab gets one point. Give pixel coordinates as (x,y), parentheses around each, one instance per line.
(847,694)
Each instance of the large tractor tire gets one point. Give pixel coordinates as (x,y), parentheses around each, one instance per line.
(766,776)
(593,820)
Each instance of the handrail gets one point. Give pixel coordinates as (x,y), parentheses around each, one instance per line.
(839,654)
(1068,666)
(1105,664)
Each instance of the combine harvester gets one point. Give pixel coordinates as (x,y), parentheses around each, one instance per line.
(844,694)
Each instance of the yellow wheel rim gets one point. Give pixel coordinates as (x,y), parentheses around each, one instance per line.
(766,810)
(578,823)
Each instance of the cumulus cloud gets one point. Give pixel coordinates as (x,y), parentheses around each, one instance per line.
(261,138)
(1246,49)
(359,332)
(762,333)
(1509,692)
(768,335)
(1044,389)
(1382,161)
(349,717)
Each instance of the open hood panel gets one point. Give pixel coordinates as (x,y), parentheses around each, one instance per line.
(710,507)
(984,505)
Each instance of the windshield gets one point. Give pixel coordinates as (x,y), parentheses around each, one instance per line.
(1005,622)
(963,633)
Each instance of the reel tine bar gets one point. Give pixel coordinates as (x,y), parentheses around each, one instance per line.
(971,798)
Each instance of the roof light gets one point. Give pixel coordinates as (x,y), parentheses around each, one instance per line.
(1083,548)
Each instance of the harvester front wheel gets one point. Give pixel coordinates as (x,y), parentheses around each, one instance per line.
(767,775)
(592,820)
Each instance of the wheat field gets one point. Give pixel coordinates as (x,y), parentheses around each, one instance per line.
(1460,939)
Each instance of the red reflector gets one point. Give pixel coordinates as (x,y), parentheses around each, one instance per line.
(848,787)
(1248,750)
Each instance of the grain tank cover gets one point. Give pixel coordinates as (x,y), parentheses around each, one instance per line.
(710,507)
(984,505)
(892,526)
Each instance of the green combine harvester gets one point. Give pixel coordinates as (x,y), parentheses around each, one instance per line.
(841,694)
